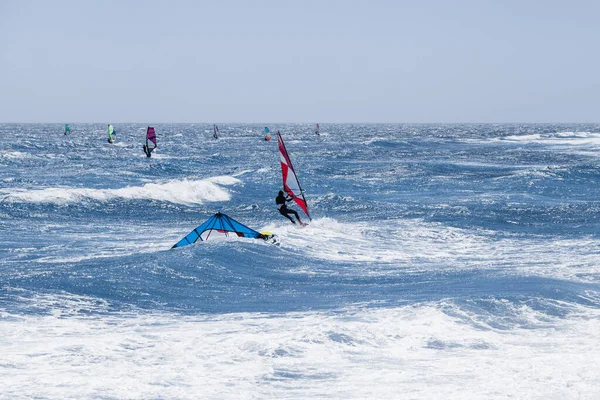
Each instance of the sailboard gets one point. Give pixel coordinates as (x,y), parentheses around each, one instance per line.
(291,184)
(67,129)
(150,145)
(215,131)
(267,134)
(221,225)
(111,134)
(317,130)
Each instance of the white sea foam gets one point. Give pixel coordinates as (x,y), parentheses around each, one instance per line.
(14,155)
(112,241)
(174,191)
(432,350)
(393,241)
(246,171)
(419,245)
(558,138)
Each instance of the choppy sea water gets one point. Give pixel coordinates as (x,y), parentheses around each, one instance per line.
(443,261)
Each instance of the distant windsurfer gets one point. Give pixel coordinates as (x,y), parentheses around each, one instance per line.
(283,210)
(150,145)
(111,134)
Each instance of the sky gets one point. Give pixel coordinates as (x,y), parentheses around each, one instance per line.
(336,61)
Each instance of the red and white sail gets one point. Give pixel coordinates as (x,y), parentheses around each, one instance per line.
(290,180)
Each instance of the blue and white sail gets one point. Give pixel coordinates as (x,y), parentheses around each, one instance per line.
(220,225)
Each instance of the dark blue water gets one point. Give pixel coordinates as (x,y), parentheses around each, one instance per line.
(77,217)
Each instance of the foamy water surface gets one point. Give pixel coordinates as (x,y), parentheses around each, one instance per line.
(442,261)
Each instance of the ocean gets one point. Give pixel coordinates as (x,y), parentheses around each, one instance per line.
(456,261)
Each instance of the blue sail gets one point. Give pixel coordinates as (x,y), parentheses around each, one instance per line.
(218,224)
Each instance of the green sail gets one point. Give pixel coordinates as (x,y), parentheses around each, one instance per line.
(111,133)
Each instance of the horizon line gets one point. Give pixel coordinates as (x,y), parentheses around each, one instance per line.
(309,123)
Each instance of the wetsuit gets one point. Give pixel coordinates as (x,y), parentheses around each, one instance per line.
(283,210)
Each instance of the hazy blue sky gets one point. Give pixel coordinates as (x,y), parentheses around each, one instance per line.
(299,61)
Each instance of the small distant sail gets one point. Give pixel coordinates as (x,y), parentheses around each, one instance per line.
(216,131)
(290,179)
(67,129)
(150,141)
(267,134)
(317,131)
(111,134)
(220,225)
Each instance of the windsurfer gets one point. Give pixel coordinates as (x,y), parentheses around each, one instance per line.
(283,210)
(150,145)
(110,134)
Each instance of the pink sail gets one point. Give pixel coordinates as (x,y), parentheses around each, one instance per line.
(150,137)
(290,180)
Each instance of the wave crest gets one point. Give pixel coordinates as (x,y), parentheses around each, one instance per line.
(174,191)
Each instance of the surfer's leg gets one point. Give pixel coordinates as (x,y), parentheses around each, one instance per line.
(284,212)
(295,214)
